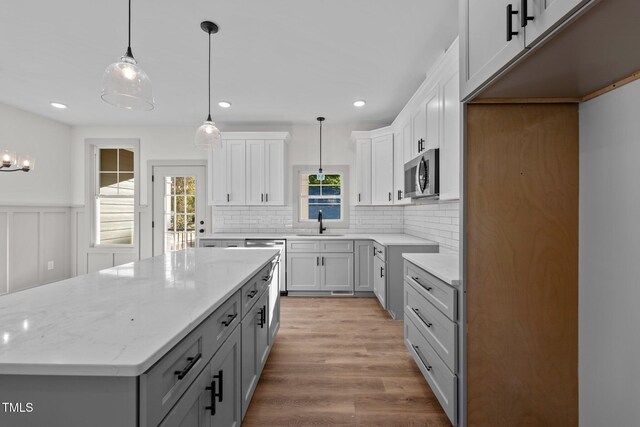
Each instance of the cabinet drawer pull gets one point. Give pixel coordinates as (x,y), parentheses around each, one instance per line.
(262,319)
(425,321)
(230,319)
(381,271)
(192,361)
(252,293)
(422,358)
(220,385)
(417,280)
(524,10)
(374,251)
(212,387)
(510,13)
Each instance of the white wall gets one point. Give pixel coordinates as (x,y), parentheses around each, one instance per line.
(34,206)
(49,143)
(609,259)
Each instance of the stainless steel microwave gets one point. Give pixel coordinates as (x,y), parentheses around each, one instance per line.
(422,175)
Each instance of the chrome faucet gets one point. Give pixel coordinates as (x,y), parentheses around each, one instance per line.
(320,221)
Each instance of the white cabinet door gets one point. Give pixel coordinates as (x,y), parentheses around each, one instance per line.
(249,349)
(218,173)
(380,281)
(303,271)
(398,170)
(410,150)
(225,375)
(364,266)
(432,116)
(363,172)
(419,129)
(547,14)
(255,171)
(235,172)
(337,271)
(485,49)
(450,141)
(382,170)
(275,172)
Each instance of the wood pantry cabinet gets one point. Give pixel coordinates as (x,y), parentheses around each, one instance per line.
(250,169)
(320,265)
(521,270)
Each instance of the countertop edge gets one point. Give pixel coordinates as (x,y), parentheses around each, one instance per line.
(412,258)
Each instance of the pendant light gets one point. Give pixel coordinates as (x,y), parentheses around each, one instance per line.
(208,134)
(320,174)
(125,84)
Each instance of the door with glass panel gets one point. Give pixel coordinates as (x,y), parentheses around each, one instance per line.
(179,207)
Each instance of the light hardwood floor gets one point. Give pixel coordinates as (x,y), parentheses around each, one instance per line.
(341,362)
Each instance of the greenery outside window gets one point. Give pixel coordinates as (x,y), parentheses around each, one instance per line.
(328,196)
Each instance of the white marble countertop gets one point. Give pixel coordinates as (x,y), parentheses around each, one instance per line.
(119,321)
(383,239)
(443,266)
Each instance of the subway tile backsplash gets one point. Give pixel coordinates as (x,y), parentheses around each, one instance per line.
(433,220)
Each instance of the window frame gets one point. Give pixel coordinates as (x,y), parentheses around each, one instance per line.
(93,174)
(342,170)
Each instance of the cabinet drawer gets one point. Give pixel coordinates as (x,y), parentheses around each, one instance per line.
(253,289)
(163,384)
(336,246)
(303,246)
(435,326)
(437,292)
(442,382)
(212,243)
(379,251)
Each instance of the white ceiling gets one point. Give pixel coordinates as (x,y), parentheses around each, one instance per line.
(276,60)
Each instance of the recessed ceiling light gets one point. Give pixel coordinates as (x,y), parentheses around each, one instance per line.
(224,104)
(58,105)
(359,103)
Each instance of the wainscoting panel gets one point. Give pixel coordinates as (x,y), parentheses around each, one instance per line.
(4,282)
(55,234)
(24,238)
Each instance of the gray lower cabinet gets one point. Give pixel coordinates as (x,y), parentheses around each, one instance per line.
(363,266)
(380,280)
(213,399)
(303,272)
(337,272)
(431,334)
(255,347)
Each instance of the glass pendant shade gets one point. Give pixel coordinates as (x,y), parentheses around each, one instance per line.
(208,135)
(7,159)
(26,163)
(126,85)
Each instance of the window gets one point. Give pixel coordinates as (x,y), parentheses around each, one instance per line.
(327,196)
(179,212)
(115,196)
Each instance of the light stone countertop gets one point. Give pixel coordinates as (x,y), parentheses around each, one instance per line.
(444,266)
(381,238)
(120,321)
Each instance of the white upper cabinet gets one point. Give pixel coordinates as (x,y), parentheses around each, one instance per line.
(407,142)
(493,33)
(255,171)
(426,122)
(450,141)
(398,169)
(490,39)
(382,170)
(250,169)
(363,171)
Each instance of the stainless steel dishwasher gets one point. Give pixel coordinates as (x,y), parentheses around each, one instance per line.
(275,244)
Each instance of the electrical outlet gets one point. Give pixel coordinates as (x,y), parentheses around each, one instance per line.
(50,265)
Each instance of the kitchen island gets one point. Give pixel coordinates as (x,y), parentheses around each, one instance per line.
(139,344)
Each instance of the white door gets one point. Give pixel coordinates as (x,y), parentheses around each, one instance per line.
(546,15)
(255,171)
(179,207)
(382,170)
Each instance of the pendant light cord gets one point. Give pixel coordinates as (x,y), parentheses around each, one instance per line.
(209,82)
(129,54)
(320,146)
